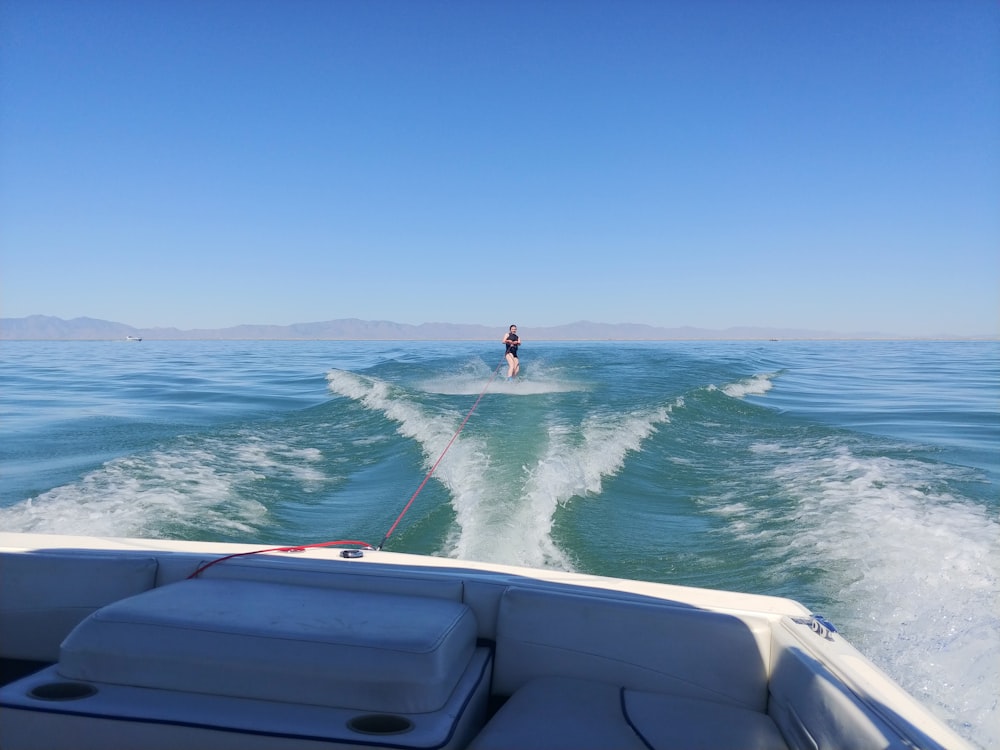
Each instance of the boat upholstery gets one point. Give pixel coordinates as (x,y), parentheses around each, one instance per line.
(34,619)
(285,649)
(320,646)
(560,713)
(659,647)
(814,709)
(586,672)
(45,712)
(237,664)
(342,575)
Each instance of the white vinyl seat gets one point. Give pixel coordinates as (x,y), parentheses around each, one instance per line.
(233,664)
(558,713)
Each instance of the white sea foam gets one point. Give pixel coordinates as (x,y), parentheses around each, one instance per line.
(758,385)
(517,528)
(476,377)
(139,495)
(462,460)
(287,461)
(433,432)
(916,569)
(194,484)
(470,386)
(504,514)
(464,467)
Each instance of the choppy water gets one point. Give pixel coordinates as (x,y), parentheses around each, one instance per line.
(860,478)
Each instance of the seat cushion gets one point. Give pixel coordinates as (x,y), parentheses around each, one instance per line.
(35,617)
(297,644)
(669,723)
(644,645)
(558,713)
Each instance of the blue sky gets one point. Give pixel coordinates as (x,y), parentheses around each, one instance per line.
(712,163)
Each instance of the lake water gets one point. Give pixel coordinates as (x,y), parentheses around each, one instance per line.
(860,478)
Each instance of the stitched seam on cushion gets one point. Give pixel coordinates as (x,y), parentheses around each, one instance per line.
(628,719)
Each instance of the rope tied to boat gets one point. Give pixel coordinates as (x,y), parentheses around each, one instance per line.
(434,467)
(355,543)
(295,548)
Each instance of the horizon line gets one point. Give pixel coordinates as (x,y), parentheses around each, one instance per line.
(40,327)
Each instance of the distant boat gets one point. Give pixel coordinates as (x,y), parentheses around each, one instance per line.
(133,338)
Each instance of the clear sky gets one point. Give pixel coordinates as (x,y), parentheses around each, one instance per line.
(820,164)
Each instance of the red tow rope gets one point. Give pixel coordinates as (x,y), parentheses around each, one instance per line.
(363,545)
(431,472)
(296,548)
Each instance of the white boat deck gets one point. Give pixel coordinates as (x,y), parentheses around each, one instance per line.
(310,649)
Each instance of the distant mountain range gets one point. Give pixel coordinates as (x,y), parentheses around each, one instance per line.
(48,328)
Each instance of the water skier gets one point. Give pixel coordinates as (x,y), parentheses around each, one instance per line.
(512,342)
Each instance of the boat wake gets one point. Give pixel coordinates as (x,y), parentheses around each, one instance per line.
(459,386)
(915,569)
(516,527)
(758,385)
(505,489)
(476,376)
(187,489)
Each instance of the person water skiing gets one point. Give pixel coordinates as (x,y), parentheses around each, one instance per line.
(512,342)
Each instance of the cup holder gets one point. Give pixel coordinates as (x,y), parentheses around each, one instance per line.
(62,691)
(380,724)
